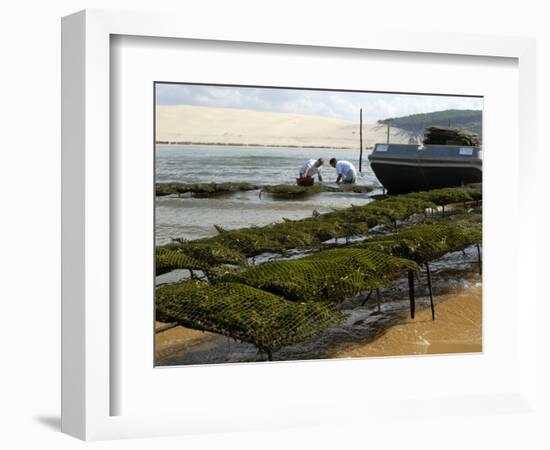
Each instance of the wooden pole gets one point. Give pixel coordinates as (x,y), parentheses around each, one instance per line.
(411,293)
(366,299)
(360,138)
(430,290)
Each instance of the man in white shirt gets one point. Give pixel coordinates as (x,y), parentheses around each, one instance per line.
(309,169)
(345,170)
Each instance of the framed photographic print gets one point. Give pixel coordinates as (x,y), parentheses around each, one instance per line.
(251,218)
(276,241)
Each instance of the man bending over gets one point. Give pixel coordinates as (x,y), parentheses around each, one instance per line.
(345,170)
(308,170)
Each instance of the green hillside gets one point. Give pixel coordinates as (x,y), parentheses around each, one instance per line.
(468,119)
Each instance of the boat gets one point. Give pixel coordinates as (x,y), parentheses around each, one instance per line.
(403,168)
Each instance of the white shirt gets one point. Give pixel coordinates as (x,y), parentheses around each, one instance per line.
(346,169)
(312,169)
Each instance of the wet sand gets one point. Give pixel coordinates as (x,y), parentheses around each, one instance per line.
(457,329)
(177,339)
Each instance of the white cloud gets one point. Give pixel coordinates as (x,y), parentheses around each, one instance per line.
(343,105)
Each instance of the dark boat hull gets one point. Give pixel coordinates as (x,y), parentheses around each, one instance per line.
(400,179)
(408,168)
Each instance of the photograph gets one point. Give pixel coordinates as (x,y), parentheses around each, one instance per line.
(294,223)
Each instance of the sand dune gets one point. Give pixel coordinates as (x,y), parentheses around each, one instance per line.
(198,124)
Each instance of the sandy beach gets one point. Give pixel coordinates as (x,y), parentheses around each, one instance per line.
(457,329)
(177,339)
(204,125)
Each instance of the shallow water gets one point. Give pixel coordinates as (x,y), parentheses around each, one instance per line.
(256,165)
(193,218)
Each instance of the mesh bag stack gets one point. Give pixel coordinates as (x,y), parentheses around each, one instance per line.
(450,136)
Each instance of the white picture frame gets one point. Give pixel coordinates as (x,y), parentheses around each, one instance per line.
(87,356)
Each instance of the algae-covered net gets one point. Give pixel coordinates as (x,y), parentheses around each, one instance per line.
(280,303)
(447,196)
(385,211)
(289,191)
(425,242)
(331,275)
(210,253)
(168,259)
(201,189)
(233,246)
(279,237)
(244,313)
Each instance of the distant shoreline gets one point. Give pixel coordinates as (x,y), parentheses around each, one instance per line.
(231,144)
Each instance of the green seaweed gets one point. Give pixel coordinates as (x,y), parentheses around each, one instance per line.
(249,241)
(201,189)
(211,253)
(331,275)
(445,196)
(280,190)
(244,313)
(425,242)
(312,232)
(168,259)
(289,191)
(276,304)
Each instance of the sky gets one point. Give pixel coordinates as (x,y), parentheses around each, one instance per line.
(336,104)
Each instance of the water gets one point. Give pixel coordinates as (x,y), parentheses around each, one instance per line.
(193,218)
